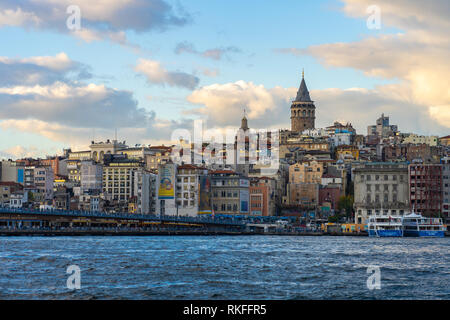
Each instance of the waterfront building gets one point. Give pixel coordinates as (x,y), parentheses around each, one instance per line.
(144,192)
(425,188)
(166,204)
(7,188)
(42,178)
(18,199)
(329,196)
(302,195)
(188,189)
(61,198)
(380,189)
(446,189)
(262,196)
(118,178)
(230,192)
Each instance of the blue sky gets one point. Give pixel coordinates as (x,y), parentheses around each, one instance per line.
(251,33)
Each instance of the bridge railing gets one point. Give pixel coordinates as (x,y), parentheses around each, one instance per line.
(123,216)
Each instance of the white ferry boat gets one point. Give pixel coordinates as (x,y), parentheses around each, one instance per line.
(415,225)
(385,226)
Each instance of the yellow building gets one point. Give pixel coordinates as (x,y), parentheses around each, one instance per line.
(352,227)
(445,141)
(306,172)
(345,152)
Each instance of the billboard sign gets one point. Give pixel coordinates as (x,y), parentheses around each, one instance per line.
(166,178)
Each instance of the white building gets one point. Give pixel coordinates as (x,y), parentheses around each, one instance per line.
(187,189)
(43,181)
(340,139)
(91,176)
(99,149)
(144,191)
(381,189)
(17,199)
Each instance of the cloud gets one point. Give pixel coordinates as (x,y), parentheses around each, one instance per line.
(215,53)
(210,72)
(102,18)
(41,70)
(17,152)
(81,105)
(224,104)
(268,108)
(51,103)
(417,58)
(157,74)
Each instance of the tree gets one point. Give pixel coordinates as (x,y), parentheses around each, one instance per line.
(346,204)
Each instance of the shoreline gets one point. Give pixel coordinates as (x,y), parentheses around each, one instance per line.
(102,233)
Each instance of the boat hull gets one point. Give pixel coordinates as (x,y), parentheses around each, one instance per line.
(385,233)
(424,233)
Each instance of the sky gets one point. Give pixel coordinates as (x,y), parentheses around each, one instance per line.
(148,67)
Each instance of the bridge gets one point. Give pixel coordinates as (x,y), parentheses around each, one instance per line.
(10,217)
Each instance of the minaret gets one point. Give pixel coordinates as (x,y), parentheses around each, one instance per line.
(244,124)
(302,109)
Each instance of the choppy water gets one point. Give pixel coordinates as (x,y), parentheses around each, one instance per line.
(252,267)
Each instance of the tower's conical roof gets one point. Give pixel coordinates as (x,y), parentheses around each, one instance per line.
(244,123)
(303,93)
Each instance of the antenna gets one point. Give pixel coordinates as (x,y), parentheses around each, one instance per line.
(115,134)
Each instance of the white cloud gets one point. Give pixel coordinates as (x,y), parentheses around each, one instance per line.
(214,53)
(155,73)
(267,108)
(224,104)
(99,19)
(17,17)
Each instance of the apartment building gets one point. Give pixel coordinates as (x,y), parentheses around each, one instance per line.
(380,189)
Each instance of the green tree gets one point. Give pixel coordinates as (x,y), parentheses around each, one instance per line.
(345,204)
(30,196)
